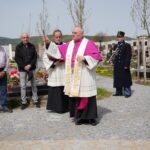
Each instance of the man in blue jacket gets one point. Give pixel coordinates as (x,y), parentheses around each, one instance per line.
(4,62)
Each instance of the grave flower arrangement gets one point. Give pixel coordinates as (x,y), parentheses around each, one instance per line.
(14,77)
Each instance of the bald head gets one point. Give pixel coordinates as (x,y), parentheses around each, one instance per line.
(77,33)
(24,38)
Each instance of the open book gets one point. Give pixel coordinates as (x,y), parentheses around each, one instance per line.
(53,51)
(52,58)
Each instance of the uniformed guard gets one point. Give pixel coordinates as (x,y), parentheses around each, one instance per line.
(122,75)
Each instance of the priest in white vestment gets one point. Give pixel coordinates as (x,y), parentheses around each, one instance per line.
(57,101)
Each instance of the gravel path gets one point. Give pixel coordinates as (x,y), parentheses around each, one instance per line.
(120,119)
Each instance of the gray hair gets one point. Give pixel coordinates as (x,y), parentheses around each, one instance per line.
(24,33)
(57,30)
(80,29)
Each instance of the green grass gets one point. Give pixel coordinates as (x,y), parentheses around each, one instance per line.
(13,103)
(102,93)
(106,72)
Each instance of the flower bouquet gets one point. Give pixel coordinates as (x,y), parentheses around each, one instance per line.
(14,77)
(39,74)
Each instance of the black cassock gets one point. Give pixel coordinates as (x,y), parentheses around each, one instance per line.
(89,112)
(57,100)
(122,76)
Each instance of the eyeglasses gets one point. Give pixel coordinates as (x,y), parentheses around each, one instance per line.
(25,37)
(57,37)
(74,32)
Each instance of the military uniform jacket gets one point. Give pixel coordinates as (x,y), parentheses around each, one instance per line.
(122,76)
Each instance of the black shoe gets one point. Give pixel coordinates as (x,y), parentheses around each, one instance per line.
(118,94)
(93,122)
(7,110)
(127,96)
(24,106)
(37,104)
(78,122)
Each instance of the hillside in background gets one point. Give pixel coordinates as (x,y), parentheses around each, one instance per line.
(66,38)
(4,40)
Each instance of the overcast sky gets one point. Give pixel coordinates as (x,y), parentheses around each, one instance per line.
(107,16)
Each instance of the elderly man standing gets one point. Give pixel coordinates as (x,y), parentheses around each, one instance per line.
(4,62)
(81,57)
(26,58)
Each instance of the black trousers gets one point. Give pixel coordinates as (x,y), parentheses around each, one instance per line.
(3,90)
(119,90)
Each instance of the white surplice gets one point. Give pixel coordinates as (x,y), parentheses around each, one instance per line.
(55,75)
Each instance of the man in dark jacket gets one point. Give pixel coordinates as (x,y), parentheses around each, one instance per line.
(122,75)
(26,58)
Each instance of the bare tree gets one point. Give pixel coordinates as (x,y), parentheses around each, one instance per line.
(29,28)
(77,12)
(43,26)
(141,14)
